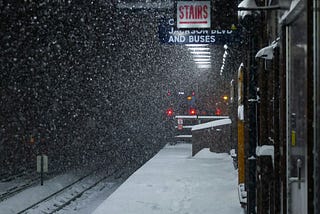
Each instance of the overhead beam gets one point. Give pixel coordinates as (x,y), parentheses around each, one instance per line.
(146,5)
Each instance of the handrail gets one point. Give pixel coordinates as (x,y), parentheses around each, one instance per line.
(200,117)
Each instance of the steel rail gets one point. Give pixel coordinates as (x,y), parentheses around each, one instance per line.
(55,193)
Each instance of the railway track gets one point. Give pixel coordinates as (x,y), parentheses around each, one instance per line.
(65,196)
(28,180)
(18,188)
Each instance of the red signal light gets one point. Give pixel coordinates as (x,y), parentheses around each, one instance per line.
(218,112)
(169,112)
(192,111)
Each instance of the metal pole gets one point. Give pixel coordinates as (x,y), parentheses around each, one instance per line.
(41,171)
(252,104)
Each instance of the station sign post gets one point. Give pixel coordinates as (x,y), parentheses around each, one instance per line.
(42,165)
(192,25)
(169,34)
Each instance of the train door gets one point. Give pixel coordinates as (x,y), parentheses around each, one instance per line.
(297,107)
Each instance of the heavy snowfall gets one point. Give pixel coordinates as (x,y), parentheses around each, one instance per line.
(86,84)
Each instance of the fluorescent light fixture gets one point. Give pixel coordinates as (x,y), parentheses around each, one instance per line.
(201,56)
(204,66)
(201,52)
(197,45)
(199,49)
(202,60)
(207,62)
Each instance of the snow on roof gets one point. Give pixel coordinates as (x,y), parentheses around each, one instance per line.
(267,52)
(246,4)
(296,7)
(241,112)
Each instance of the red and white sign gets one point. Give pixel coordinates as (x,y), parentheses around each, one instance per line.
(193,14)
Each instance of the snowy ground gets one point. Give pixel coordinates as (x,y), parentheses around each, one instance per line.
(174,182)
(84,205)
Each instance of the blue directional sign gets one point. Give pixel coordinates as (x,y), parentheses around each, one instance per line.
(168,34)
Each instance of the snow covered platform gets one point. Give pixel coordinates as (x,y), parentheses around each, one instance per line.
(175,182)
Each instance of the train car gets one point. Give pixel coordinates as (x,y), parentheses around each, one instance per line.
(301,110)
(278,144)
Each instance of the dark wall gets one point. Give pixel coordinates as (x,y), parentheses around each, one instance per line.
(80,80)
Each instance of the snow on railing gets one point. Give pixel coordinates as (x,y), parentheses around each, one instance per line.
(211,124)
(200,117)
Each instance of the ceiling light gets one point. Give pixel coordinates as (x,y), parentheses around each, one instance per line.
(202,60)
(208,62)
(201,56)
(199,49)
(201,52)
(204,66)
(197,45)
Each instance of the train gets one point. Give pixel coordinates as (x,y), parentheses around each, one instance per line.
(278,109)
